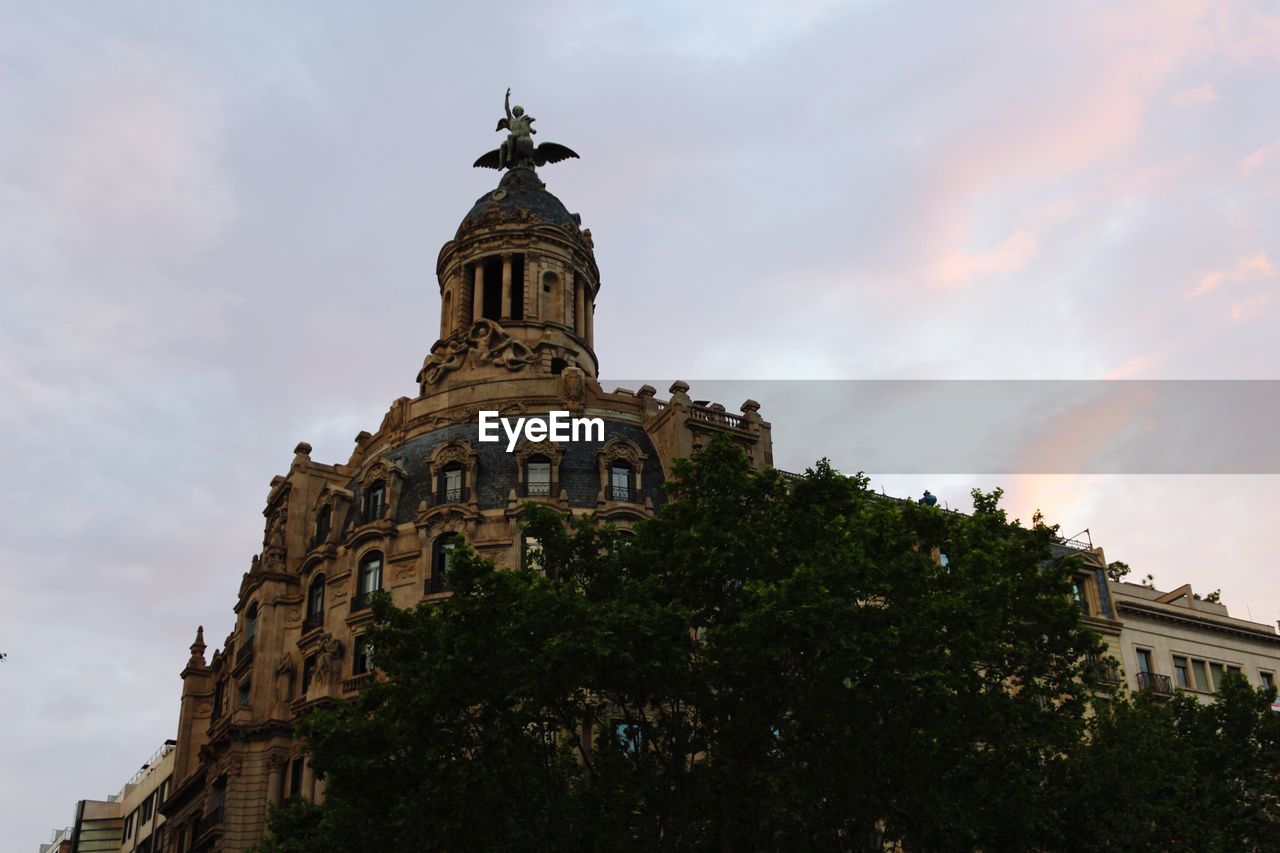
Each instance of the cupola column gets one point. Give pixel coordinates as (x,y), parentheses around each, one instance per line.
(477,299)
(506,287)
(578,324)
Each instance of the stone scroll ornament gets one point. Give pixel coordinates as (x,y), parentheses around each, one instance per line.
(484,343)
(517,150)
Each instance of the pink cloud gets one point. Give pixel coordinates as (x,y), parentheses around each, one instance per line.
(1247,309)
(1253,268)
(959,268)
(1194,96)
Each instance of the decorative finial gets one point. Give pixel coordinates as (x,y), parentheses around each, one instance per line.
(197,649)
(517,150)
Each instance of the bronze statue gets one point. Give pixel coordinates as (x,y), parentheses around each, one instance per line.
(517,150)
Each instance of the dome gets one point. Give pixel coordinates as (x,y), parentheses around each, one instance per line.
(520,196)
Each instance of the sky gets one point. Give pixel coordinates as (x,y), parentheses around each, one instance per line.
(219,226)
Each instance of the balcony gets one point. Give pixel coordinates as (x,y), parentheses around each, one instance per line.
(537,489)
(626,494)
(361,601)
(1161,685)
(313,622)
(245,652)
(435,585)
(205,823)
(459,495)
(356,683)
(1103,671)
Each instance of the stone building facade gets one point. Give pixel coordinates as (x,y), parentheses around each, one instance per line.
(518,287)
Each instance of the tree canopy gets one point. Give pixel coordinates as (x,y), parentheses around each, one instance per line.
(766,664)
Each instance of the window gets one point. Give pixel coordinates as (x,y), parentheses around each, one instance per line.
(441,559)
(620,481)
(1201,676)
(368,580)
(1079,594)
(375,501)
(360,656)
(315,604)
(295,777)
(1215,672)
(1267,679)
(627,735)
(128,824)
(1144,660)
(147,805)
(323,520)
(531,553)
(250,625)
(1181,672)
(242,694)
(219,695)
(308,672)
(451,489)
(537,477)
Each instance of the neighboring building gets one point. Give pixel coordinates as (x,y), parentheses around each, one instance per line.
(125,822)
(1176,641)
(518,285)
(60,842)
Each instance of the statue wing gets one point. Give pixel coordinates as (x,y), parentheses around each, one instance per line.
(552,152)
(487,161)
(502,125)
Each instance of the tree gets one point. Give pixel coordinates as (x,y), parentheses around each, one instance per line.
(1177,774)
(764,666)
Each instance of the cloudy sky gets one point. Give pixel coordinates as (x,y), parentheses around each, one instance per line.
(219,224)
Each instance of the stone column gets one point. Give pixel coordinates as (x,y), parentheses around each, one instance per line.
(477,299)
(588,319)
(506,287)
(578,325)
(275,781)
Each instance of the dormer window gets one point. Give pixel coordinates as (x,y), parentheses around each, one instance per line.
(441,559)
(451,486)
(537,477)
(323,519)
(621,481)
(375,501)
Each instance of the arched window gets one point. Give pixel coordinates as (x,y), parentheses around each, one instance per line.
(451,488)
(250,625)
(446,314)
(621,481)
(323,519)
(368,579)
(315,605)
(537,477)
(441,560)
(375,501)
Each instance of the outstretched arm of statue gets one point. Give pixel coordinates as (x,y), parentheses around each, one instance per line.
(506,103)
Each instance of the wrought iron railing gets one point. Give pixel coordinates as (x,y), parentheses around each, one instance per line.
(1105,671)
(436,584)
(312,622)
(360,601)
(537,490)
(623,493)
(451,496)
(1155,683)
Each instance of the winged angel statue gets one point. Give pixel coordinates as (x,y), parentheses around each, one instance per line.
(518,150)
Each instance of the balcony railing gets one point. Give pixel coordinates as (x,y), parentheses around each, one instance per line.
(623,493)
(537,490)
(312,622)
(374,512)
(206,822)
(717,416)
(245,652)
(357,682)
(360,601)
(1156,683)
(459,495)
(1104,671)
(435,585)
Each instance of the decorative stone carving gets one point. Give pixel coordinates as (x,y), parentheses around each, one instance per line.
(328,660)
(573,389)
(484,343)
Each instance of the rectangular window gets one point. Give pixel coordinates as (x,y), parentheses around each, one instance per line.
(145,814)
(1268,679)
(295,777)
(359,656)
(537,476)
(219,695)
(1078,593)
(242,694)
(1202,678)
(1181,672)
(1215,671)
(452,485)
(308,672)
(1144,660)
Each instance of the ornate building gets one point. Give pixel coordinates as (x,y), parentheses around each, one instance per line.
(518,286)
